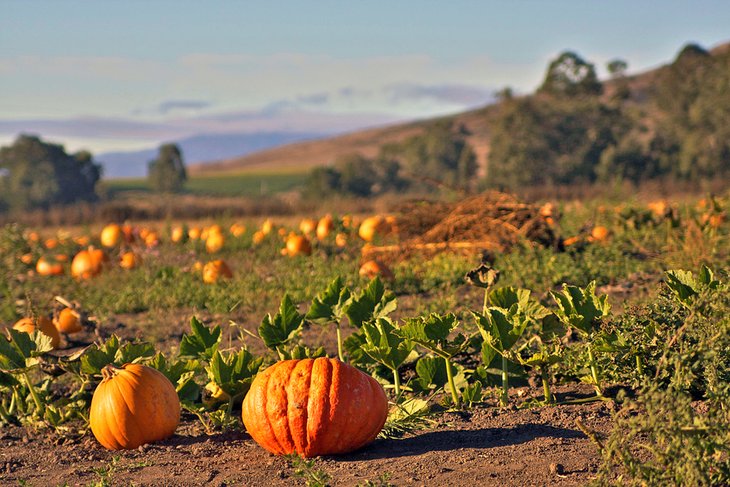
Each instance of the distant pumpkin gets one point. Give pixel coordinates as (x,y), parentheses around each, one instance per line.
(128,260)
(214,242)
(45,267)
(298,244)
(88,263)
(111,235)
(372,227)
(307,226)
(68,321)
(373,268)
(42,324)
(599,233)
(325,227)
(215,270)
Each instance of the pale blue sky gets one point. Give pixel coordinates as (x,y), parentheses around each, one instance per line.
(110,75)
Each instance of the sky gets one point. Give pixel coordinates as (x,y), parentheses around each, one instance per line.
(110,75)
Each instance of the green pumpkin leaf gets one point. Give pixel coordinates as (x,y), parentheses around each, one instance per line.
(384,345)
(374,302)
(329,306)
(282,328)
(202,342)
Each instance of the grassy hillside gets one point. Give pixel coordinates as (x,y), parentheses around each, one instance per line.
(303,156)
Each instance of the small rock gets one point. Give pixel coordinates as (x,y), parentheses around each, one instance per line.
(25,439)
(142,448)
(557,469)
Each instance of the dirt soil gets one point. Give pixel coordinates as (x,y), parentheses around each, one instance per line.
(486,446)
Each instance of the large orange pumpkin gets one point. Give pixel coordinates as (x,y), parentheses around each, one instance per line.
(133,405)
(43,324)
(314,407)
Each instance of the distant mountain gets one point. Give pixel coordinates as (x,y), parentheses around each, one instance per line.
(199,149)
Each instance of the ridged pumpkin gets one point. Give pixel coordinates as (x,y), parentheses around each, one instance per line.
(43,324)
(133,405)
(314,407)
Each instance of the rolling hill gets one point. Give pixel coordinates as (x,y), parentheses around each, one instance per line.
(304,155)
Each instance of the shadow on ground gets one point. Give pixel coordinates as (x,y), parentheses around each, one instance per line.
(448,440)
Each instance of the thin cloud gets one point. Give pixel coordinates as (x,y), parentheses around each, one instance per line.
(168,106)
(456,94)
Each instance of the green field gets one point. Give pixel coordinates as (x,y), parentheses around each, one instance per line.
(236,184)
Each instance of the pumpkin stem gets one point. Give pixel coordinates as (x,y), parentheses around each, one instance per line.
(110,371)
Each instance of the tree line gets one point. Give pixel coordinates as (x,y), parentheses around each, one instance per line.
(38,174)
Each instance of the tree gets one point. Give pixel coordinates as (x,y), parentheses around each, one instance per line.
(38,174)
(570,75)
(441,154)
(167,173)
(539,140)
(617,68)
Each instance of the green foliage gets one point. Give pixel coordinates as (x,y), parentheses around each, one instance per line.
(234,371)
(202,342)
(281,333)
(372,303)
(330,305)
(114,352)
(570,75)
(40,174)
(581,308)
(167,173)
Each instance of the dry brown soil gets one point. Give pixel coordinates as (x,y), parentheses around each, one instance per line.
(487,446)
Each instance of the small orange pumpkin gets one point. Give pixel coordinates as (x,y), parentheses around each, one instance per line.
(128,260)
(43,324)
(307,226)
(88,263)
(373,268)
(178,234)
(213,271)
(68,321)
(314,407)
(298,244)
(375,226)
(325,227)
(111,235)
(45,267)
(237,230)
(599,234)
(214,242)
(133,405)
